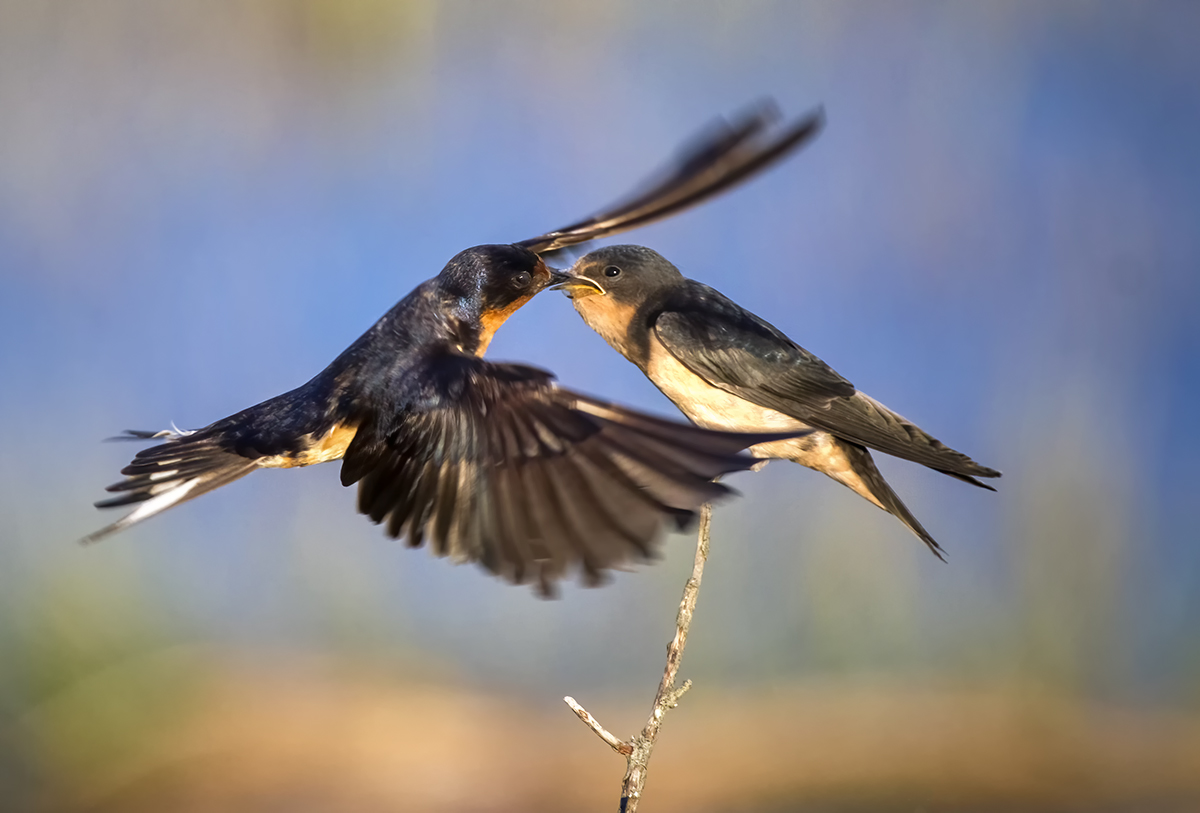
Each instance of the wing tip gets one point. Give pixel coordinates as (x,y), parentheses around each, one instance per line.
(96,536)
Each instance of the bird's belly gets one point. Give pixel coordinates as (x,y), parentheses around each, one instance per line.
(313,450)
(714,408)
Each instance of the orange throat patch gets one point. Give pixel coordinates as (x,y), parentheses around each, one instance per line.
(493,319)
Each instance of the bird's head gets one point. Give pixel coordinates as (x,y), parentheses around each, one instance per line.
(491,278)
(612,285)
(489,283)
(622,275)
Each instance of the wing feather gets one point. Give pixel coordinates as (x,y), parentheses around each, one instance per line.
(720,157)
(495,463)
(734,350)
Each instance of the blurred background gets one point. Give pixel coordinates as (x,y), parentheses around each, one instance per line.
(202,202)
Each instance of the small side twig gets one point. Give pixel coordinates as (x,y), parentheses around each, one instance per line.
(638,749)
(623,748)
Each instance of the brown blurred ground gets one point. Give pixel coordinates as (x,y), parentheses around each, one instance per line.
(317,736)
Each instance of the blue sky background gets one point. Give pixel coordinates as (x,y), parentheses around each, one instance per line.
(997,235)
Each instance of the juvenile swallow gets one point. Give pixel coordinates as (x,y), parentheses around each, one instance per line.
(726,368)
(490,462)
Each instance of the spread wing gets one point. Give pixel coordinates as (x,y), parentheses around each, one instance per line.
(721,157)
(733,349)
(494,463)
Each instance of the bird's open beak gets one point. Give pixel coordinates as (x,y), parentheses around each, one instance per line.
(574,285)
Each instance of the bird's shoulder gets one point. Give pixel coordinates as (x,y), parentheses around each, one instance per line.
(420,344)
(730,346)
(442,381)
(710,310)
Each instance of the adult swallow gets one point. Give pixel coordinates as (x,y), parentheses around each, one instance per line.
(726,368)
(490,462)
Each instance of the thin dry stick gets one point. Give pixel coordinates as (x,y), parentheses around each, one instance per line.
(637,750)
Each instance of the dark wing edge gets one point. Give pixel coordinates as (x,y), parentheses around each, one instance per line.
(531,480)
(865,421)
(717,159)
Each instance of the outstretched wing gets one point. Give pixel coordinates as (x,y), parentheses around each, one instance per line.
(722,156)
(494,463)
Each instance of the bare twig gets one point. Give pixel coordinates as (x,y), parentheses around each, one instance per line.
(637,750)
(622,748)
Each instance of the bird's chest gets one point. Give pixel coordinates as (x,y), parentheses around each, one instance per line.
(709,406)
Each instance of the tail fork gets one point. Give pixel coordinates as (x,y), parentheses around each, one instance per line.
(865,480)
(188,464)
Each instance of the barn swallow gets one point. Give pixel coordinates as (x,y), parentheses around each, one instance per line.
(490,462)
(726,368)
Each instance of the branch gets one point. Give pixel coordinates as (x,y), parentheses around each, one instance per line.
(620,747)
(637,750)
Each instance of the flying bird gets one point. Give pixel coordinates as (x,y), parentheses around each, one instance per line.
(490,462)
(727,369)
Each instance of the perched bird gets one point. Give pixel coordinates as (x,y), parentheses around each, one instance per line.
(490,462)
(725,368)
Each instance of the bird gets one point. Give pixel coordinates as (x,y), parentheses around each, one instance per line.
(490,462)
(726,368)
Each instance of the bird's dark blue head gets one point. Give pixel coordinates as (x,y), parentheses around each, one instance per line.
(489,283)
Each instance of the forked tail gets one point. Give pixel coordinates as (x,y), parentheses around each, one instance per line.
(186,465)
(870,484)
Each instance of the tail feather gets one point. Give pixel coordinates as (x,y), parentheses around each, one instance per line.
(879,492)
(187,465)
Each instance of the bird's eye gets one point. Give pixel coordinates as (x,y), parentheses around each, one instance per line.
(521,280)
(612,271)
